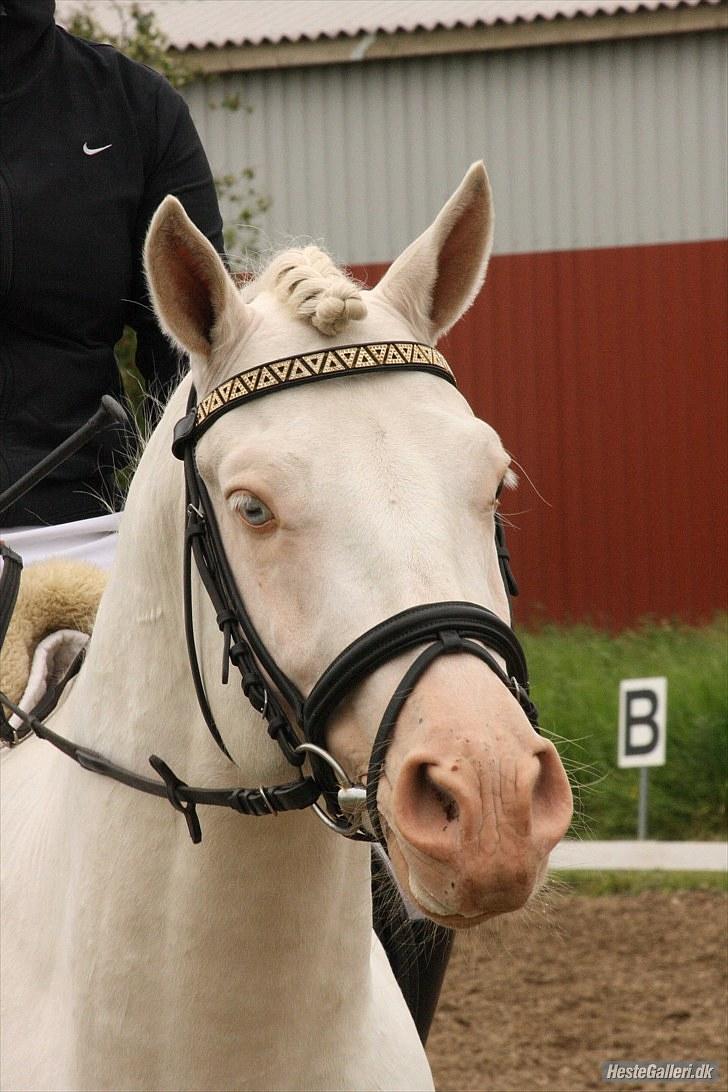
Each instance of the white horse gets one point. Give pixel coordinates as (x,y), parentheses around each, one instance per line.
(132,959)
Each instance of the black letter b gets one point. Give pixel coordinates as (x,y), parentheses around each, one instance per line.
(631,720)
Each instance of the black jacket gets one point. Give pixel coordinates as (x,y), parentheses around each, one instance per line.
(90,143)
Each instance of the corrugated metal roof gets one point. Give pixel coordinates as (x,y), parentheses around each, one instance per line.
(196,24)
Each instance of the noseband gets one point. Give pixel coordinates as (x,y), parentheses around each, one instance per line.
(298,724)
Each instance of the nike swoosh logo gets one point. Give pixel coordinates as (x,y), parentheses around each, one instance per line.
(94,151)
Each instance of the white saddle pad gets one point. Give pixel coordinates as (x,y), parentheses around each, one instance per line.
(91,540)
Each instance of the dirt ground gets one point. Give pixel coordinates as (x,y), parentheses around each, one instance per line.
(541,1003)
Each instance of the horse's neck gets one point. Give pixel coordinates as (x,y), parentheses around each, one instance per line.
(135,694)
(250,907)
(132,689)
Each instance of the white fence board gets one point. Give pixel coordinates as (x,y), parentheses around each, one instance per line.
(636,856)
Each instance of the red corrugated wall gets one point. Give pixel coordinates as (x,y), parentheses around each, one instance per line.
(605,373)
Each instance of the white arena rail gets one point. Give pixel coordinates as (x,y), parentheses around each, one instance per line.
(641,856)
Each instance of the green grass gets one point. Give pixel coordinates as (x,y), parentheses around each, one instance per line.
(575,675)
(632,883)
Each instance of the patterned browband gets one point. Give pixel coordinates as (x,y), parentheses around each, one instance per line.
(325,364)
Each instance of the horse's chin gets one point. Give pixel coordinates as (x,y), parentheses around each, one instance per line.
(492,904)
(461,921)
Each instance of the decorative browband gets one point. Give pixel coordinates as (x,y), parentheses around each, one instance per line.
(324,364)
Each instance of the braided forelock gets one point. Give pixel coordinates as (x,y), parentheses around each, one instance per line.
(314,288)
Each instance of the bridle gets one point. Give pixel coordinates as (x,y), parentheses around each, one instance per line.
(298,724)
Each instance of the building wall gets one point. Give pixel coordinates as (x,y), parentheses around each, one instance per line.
(610,391)
(609,144)
(597,347)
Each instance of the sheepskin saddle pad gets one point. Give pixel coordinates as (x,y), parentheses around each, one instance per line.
(53,618)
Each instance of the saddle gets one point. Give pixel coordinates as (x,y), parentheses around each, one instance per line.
(50,624)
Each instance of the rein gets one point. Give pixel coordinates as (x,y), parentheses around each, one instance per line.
(298,724)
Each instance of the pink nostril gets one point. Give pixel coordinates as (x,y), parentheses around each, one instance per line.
(432,801)
(443,804)
(432,796)
(552,803)
(422,799)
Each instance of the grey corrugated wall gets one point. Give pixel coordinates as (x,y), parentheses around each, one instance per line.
(610,144)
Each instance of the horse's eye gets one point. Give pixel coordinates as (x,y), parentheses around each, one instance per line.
(253,510)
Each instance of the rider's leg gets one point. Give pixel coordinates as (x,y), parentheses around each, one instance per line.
(417,949)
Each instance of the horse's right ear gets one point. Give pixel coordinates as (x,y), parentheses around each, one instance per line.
(193,295)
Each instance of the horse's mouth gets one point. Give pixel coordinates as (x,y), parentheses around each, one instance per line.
(453,919)
(497,902)
(460,922)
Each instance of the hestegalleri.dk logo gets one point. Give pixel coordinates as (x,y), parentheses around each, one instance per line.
(660,1071)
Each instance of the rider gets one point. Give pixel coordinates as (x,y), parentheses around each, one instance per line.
(90,143)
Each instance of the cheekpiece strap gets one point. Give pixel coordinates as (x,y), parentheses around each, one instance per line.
(291,371)
(182,432)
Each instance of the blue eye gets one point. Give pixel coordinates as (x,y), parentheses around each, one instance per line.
(253,510)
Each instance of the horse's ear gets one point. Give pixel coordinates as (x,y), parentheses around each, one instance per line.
(193,295)
(434,281)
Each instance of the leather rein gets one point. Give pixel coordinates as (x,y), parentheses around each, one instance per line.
(297,724)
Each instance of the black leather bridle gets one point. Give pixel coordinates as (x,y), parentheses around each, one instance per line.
(298,724)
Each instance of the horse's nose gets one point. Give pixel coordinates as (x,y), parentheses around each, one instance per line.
(478,824)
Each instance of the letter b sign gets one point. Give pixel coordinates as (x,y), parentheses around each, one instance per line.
(642,722)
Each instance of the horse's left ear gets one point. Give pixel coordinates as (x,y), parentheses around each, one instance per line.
(194,297)
(434,281)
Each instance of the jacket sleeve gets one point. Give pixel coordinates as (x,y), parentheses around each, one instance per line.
(175,163)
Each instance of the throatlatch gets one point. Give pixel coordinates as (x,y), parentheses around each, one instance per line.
(298,724)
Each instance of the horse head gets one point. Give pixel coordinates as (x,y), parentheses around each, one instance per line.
(341,505)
